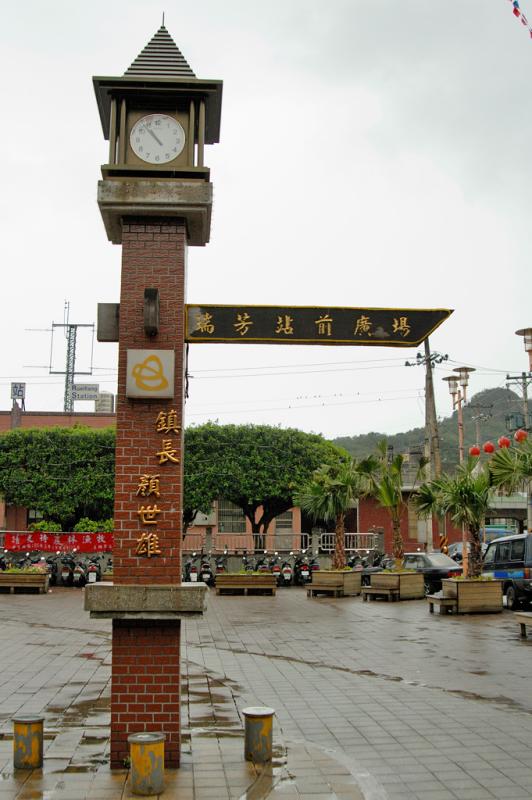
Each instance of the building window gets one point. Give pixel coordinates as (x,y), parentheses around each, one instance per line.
(413,520)
(284,522)
(231,518)
(34,516)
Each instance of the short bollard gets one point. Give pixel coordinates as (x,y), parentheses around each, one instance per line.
(258,733)
(147,762)
(28,742)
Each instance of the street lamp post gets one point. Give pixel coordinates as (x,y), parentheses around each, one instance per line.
(458,390)
(526,333)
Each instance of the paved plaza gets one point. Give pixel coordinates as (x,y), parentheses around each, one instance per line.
(373,700)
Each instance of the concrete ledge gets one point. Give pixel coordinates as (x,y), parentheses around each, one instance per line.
(165,601)
(164,199)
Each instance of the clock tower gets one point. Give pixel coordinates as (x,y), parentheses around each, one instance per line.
(155,198)
(158,117)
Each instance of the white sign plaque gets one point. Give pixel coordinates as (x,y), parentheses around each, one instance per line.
(18,391)
(150,374)
(85,391)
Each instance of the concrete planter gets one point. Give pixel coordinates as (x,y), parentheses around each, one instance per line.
(410,585)
(474,597)
(24,581)
(345,582)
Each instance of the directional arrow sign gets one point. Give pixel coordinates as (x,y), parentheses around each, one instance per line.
(382,327)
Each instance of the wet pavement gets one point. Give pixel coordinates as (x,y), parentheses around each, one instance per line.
(373,700)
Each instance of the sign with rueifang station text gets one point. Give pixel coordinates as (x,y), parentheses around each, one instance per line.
(382,327)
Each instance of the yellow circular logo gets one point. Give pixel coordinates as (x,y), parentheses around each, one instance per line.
(149,374)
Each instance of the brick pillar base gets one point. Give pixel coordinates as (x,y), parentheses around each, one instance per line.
(145,686)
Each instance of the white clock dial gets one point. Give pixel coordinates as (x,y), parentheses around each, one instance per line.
(157,138)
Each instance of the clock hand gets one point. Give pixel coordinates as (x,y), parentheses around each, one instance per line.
(154,136)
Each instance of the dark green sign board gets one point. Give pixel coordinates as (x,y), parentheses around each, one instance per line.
(383,327)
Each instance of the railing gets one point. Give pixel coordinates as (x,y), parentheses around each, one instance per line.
(353,541)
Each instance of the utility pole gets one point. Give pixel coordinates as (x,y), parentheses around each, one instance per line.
(71,334)
(432,437)
(523,380)
(484,413)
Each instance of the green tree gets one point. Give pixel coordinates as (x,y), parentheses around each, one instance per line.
(383,479)
(328,495)
(466,498)
(511,470)
(252,466)
(65,473)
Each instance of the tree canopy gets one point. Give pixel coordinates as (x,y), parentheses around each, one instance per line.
(65,473)
(68,473)
(253,466)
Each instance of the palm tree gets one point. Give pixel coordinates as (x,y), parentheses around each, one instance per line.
(466,498)
(328,495)
(511,469)
(383,480)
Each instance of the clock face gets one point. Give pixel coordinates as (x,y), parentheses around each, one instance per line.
(157,138)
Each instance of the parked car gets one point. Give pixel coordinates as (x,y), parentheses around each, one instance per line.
(456,549)
(510,559)
(434,567)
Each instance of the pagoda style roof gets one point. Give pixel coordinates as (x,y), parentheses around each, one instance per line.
(160,73)
(161,58)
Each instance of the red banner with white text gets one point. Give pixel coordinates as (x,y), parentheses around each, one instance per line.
(59,542)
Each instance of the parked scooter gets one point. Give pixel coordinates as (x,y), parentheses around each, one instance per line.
(314,566)
(221,563)
(191,569)
(261,565)
(287,573)
(301,570)
(206,573)
(94,570)
(79,574)
(67,570)
(247,563)
(274,565)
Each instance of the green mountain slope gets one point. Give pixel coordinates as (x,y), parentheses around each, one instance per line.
(501,412)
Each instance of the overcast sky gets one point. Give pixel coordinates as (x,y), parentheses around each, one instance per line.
(372,154)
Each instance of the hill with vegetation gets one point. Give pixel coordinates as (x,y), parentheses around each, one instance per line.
(499,411)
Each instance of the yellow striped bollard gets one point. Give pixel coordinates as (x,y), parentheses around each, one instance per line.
(258,733)
(146,752)
(28,741)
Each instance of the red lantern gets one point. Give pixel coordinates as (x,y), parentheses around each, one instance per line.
(504,441)
(521,435)
(474,451)
(488,447)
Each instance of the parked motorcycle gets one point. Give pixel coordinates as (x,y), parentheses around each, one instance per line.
(94,570)
(287,573)
(275,567)
(191,569)
(79,574)
(67,571)
(302,574)
(206,573)
(314,566)
(221,563)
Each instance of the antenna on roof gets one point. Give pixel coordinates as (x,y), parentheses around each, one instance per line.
(163,19)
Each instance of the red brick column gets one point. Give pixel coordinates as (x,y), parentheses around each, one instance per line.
(146,668)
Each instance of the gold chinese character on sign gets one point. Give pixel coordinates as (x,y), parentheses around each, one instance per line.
(204,323)
(148,545)
(148,484)
(324,324)
(362,325)
(401,326)
(284,325)
(148,514)
(243,323)
(166,422)
(168,452)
